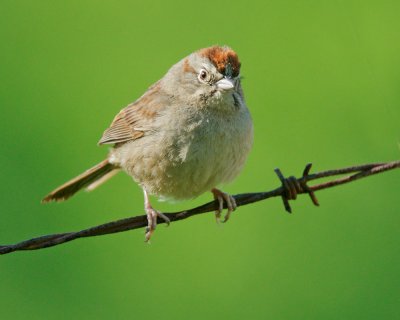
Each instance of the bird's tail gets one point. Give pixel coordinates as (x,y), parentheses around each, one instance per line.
(90,180)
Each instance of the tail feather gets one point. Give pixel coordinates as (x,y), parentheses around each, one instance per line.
(94,176)
(101,180)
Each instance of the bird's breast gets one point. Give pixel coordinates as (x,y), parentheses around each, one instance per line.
(190,153)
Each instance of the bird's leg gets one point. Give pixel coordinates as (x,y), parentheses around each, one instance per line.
(230,203)
(152,215)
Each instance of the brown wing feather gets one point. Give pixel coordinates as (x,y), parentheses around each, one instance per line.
(126,123)
(121,129)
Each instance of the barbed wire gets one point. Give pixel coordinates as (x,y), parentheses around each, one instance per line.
(290,188)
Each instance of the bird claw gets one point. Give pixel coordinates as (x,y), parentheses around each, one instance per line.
(230,204)
(152,216)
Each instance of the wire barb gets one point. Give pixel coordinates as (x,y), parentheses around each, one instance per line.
(307,189)
(292,186)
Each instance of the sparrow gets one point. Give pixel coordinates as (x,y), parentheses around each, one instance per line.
(188,133)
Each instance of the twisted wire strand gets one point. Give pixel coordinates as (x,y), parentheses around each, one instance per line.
(290,188)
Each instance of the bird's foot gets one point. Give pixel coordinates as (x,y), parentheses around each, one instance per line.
(230,204)
(152,216)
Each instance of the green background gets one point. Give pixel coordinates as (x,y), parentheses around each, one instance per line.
(322,81)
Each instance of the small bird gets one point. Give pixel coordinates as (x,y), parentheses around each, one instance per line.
(188,133)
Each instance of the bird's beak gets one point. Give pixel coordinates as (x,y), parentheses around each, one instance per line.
(225,84)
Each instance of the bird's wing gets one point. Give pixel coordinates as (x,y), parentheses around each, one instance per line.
(131,122)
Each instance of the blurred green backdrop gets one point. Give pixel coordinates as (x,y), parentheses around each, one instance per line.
(322,81)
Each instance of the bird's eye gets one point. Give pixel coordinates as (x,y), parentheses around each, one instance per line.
(204,75)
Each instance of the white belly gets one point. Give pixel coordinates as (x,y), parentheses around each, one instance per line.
(184,161)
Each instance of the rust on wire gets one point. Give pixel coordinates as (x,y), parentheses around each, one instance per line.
(292,186)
